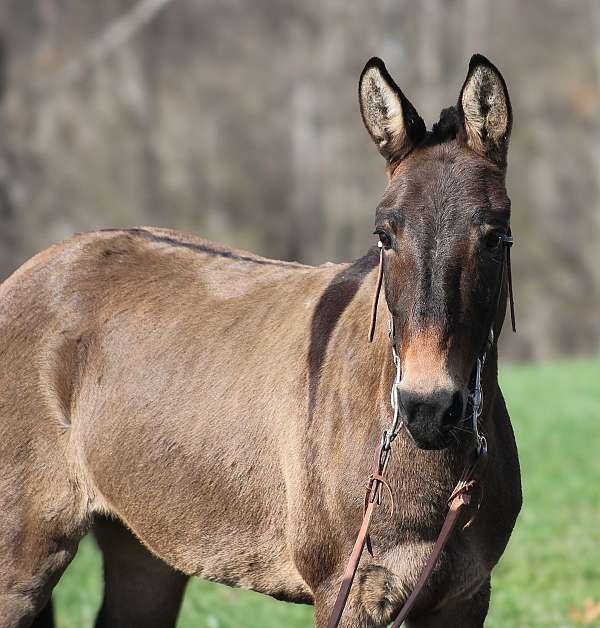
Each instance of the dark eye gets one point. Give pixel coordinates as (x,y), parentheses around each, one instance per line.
(384,238)
(492,240)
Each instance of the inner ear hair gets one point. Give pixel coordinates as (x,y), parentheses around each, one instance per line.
(485,110)
(388,115)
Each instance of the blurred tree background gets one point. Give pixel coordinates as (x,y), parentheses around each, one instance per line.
(239,121)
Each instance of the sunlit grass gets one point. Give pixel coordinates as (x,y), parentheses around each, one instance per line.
(552,565)
(553,562)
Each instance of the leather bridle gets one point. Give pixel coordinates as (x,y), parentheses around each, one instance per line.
(470,478)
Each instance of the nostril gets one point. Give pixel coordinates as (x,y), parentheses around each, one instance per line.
(410,402)
(454,412)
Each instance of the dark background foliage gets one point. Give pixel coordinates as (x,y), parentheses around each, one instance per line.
(239,121)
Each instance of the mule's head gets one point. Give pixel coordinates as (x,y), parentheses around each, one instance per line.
(441,222)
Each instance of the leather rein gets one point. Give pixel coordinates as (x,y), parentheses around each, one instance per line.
(471,476)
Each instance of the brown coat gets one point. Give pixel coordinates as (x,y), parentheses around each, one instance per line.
(226,409)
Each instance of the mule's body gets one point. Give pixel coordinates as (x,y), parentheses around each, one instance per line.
(227,408)
(159,384)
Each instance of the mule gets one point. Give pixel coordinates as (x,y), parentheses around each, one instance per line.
(216,413)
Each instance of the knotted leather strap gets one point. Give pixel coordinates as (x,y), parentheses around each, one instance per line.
(371,499)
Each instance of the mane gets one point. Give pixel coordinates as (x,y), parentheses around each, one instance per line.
(446,129)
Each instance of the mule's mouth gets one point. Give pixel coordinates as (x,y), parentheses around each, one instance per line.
(443,437)
(431,441)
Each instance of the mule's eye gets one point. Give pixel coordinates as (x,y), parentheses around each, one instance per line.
(384,238)
(493,240)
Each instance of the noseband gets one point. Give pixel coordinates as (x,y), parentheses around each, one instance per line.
(472,472)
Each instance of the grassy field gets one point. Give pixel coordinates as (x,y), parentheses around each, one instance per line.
(550,575)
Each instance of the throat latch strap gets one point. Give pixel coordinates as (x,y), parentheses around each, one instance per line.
(376,295)
(508,242)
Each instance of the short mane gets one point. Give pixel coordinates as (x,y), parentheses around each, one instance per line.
(446,128)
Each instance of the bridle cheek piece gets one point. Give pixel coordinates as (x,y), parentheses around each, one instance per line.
(471,475)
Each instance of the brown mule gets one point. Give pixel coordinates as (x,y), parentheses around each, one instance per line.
(225,408)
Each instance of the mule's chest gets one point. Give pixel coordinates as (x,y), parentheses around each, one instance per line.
(392,576)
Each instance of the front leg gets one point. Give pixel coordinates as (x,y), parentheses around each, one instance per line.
(354,615)
(374,599)
(469,613)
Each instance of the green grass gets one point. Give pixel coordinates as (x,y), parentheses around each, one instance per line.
(552,565)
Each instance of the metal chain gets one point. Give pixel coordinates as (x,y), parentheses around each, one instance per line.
(396,425)
(476,399)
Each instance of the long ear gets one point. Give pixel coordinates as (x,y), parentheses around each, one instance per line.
(485,110)
(391,120)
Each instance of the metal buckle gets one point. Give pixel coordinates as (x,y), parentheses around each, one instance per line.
(482,446)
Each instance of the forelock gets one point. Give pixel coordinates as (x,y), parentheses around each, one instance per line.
(447,128)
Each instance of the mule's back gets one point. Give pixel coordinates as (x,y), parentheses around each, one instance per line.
(162,364)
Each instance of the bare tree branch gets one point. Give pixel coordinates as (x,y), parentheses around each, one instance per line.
(113,37)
